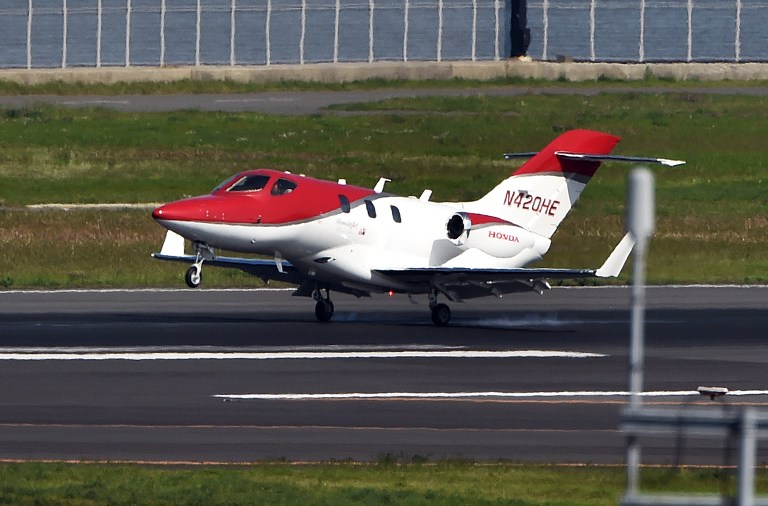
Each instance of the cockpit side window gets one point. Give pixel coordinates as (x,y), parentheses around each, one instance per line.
(344,202)
(250,183)
(283,186)
(370,208)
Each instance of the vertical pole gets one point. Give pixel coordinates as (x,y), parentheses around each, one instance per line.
(371,8)
(99,14)
(592,30)
(545,35)
(232,28)
(29,34)
(405,30)
(640,223)
(198,29)
(746,478)
(737,36)
(497,30)
(128,33)
(474,30)
(336,19)
(690,30)
(440,6)
(162,32)
(641,53)
(267,35)
(64,29)
(303,30)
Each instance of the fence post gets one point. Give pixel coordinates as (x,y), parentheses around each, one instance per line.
(641,53)
(545,29)
(303,30)
(198,24)
(440,6)
(737,36)
(592,30)
(99,13)
(474,30)
(336,18)
(371,7)
(128,33)
(690,30)
(162,32)
(29,35)
(267,35)
(64,34)
(232,26)
(405,30)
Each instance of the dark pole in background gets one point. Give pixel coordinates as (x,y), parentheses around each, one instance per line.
(519,33)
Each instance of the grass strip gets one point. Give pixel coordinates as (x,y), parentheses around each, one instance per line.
(446,483)
(712,213)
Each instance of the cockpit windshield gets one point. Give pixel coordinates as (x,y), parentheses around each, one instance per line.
(251,183)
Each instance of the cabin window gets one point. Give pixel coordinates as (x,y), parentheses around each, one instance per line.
(250,183)
(396,214)
(283,186)
(370,208)
(344,201)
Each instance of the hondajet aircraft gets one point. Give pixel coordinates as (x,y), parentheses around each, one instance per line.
(330,236)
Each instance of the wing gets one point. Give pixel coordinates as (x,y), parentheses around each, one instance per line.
(467,283)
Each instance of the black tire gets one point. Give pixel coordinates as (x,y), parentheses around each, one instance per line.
(441,315)
(324,310)
(193,277)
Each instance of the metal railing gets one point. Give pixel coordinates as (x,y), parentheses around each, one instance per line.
(64,33)
(649,30)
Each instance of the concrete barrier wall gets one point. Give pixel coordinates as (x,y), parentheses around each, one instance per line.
(348,72)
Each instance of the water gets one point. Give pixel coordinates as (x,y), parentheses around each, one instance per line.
(720,30)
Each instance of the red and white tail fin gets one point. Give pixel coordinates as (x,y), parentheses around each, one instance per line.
(539,194)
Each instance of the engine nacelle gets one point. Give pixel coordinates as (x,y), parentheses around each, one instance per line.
(458,227)
(501,241)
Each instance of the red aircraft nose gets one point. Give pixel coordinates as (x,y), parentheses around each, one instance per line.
(194,209)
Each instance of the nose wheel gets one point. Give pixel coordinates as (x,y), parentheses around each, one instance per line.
(194,276)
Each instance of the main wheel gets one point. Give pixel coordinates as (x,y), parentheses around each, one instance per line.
(193,277)
(441,315)
(324,310)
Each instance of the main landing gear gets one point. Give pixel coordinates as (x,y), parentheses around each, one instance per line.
(441,313)
(324,305)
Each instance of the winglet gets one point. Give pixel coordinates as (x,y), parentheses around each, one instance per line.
(173,246)
(615,262)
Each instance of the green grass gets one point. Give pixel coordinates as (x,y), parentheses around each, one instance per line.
(712,213)
(446,483)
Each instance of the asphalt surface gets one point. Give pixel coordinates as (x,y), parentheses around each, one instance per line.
(240,376)
(317,102)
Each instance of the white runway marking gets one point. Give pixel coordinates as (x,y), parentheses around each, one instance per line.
(291,355)
(470,395)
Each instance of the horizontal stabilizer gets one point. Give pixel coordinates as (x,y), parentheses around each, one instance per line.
(599,158)
(618,158)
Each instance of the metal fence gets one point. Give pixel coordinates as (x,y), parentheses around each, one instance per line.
(95,33)
(649,30)
(64,33)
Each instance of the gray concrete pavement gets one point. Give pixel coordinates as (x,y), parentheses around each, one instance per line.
(348,72)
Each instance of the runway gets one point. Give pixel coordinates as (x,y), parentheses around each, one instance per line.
(241,376)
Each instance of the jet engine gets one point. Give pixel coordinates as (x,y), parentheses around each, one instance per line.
(458,228)
(501,241)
